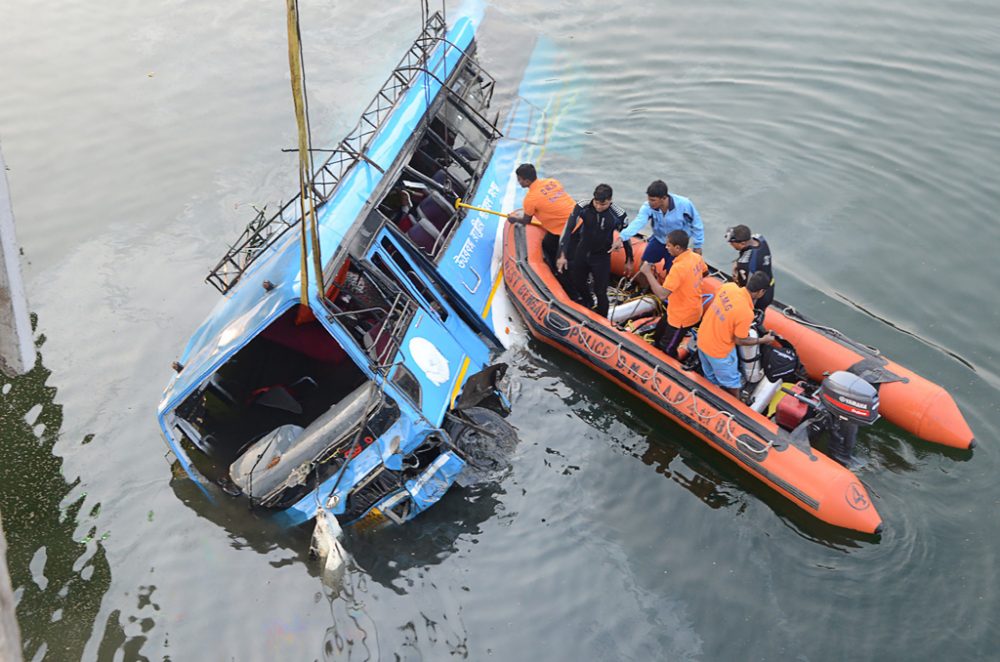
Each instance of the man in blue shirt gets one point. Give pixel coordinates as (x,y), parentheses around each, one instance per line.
(665,212)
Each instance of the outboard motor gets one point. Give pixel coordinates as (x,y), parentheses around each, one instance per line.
(850,401)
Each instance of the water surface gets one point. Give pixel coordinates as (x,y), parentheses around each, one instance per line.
(861,140)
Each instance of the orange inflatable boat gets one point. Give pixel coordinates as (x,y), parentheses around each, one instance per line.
(751,438)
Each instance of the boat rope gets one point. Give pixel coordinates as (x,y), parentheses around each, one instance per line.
(729,426)
(619,363)
(790,311)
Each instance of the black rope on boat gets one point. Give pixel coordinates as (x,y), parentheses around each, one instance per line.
(790,311)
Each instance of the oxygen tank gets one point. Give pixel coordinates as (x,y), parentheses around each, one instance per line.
(763,394)
(750,365)
(643,305)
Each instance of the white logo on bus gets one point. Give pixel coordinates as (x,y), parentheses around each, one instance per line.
(430,360)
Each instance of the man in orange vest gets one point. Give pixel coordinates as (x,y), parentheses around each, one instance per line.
(727,324)
(546,202)
(681,289)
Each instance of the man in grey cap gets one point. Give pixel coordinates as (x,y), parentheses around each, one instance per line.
(754,255)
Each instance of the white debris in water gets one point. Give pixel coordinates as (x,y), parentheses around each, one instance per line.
(326,546)
(32,414)
(37,568)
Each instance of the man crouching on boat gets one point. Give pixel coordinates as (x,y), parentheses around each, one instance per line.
(681,290)
(598,219)
(727,324)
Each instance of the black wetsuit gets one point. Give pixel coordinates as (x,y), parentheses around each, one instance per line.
(753,259)
(592,256)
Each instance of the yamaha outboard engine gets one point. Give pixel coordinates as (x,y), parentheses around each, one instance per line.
(850,401)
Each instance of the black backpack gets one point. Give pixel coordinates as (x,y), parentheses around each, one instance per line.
(779,362)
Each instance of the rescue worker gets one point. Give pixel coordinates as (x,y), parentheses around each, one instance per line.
(754,255)
(546,202)
(665,212)
(593,223)
(681,290)
(725,325)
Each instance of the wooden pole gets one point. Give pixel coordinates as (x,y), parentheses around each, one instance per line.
(10,634)
(17,351)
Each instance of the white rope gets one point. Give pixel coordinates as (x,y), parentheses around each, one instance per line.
(729,427)
(619,363)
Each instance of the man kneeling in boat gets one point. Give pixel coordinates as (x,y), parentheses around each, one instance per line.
(598,219)
(681,290)
(727,324)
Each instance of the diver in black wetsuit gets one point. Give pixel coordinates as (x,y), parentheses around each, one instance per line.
(755,255)
(593,224)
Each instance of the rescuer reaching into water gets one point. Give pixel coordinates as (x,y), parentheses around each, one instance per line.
(682,291)
(593,223)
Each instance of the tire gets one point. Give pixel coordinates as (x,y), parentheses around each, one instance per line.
(486,441)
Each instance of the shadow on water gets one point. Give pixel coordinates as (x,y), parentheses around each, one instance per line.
(394,557)
(705,473)
(384,554)
(59,579)
(398,558)
(388,553)
(248,528)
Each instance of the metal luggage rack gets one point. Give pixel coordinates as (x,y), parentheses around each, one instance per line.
(263,231)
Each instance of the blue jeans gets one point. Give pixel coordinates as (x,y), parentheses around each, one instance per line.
(724,372)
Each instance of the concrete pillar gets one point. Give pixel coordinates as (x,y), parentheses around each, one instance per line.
(10,635)
(17,348)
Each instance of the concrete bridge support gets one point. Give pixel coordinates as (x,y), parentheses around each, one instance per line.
(17,349)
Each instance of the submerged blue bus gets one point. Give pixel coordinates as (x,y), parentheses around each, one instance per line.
(363,403)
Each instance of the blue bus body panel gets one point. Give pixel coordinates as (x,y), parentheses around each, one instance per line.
(247,309)
(439,350)
(472,260)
